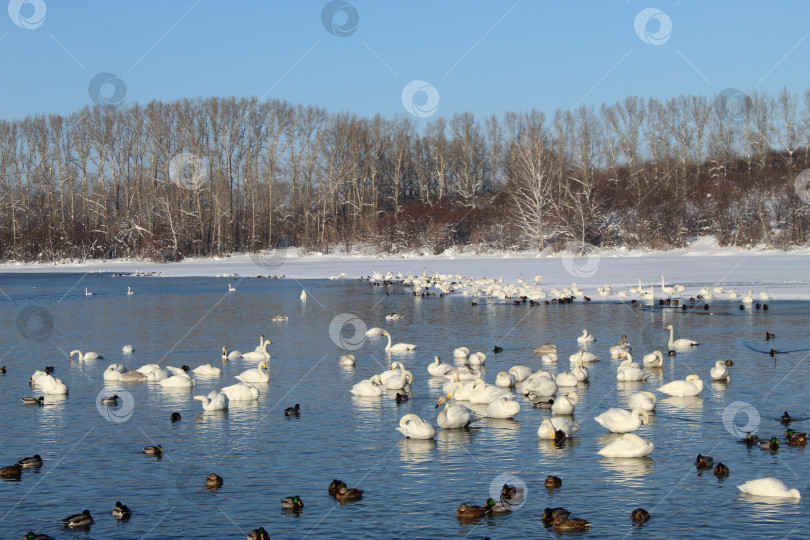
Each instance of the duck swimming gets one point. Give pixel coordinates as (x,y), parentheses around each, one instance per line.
(703,462)
(34,462)
(335,486)
(78,521)
(639,515)
(570,524)
(750,440)
(33,401)
(258,534)
(550,514)
(293,411)
(772,444)
(34,536)
(794,438)
(473,511)
(121,512)
(345,494)
(553,481)
(214,481)
(292,503)
(13,471)
(153,450)
(720,470)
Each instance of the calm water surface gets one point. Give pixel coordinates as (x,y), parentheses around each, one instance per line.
(412,488)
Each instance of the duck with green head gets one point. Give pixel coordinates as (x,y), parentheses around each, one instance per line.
(292,503)
(795,438)
(772,444)
(33,401)
(153,450)
(499,507)
(34,536)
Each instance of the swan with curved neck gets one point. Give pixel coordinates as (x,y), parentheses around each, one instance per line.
(86,356)
(692,386)
(622,421)
(215,401)
(416,427)
(259,355)
(654,359)
(682,343)
(397,347)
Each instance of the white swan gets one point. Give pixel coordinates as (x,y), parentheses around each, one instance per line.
(566,378)
(463,373)
(374,332)
(260,346)
(764,296)
(477,359)
(486,393)
(87,293)
(279,318)
(130,291)
(653,359)
(642,400)
(86,357)
(416,427)
(749,299)
(453,415)
(582,373)
(504,379)
(629,370)
(458,390)
(128,349)
(48,384)
(769,487)
(692,386)
(629,445)
(550,425)
(682,343)
(259,355)
(207,370)
(215,401)
(117,372)
(346,360)
(255,375)
(241,391)
(396,369)
(230,288)
(622,346)
(622,421)
(399,380)
(438,368)
(539,385)
(233,355)
(303,296)
(583,356)
(153,372)
(394,317)
(565,404)
(178,381)
(461,352)
(720,371)
(521,373)
(399,347)
(368,388)
(585,337)
(669,291)
(503,407)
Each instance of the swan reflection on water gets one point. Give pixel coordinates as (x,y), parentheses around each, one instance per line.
(719,388)
(549,448)
(416,450)
(628,469)
(680,404)
(458,436)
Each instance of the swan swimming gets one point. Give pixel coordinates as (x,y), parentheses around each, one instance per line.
(503,407)
(653,359)
(504,379)
(692,386)
(255,375)
(233,355)
(461,352)
(368,388)
(585,337)
(398,347)
(399,380)
(86,357)
(769,487)
(259,355)
(622,421)
(215,401)
(416,427)
(642,400)
(629,445)
(438,368)
(549,426)
(564,405)
(230,288)
(207,370)
(128,349)
(346,360)
(130,291)
(241,391)
(374,332)
(453,415)
(676,344)
(720,371)
(521,373)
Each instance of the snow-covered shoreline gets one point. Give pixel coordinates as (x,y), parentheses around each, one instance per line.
(783,274)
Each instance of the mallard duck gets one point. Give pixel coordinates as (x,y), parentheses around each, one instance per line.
(3,369)
(704,462)
(510,492)
(721,470)
(335,486)
(13,471)
(639,515)
(544,404)
(33,462)
(153,450)
(258,534)
(293,411)
(474,511)
(750,440)
(121,512)
(214,481)
(795,439)
(34,536)
(769,336)
(785,417)
(553,481)
(550,514)
(498,507)
(110,401)
(34,401)
(345,494)
(175,417)
(292,503)
(401,398)
(570,524)
(78,521)
(772,444)
(497,349)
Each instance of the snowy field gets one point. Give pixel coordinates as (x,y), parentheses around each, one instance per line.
(782,274)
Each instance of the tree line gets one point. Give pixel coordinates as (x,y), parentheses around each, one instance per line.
(201,177)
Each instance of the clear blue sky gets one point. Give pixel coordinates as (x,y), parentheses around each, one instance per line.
(483,57)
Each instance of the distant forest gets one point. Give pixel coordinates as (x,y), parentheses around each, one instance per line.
(201,177)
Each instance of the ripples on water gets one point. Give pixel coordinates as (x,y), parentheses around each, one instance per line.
(412,487)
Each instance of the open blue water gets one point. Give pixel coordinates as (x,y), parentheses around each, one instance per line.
(412,488)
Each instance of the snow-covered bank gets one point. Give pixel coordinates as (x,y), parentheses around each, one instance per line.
(783,274)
